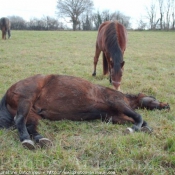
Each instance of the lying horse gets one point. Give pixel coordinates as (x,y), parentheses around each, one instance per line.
(5,27)
(57,97)
(111,40)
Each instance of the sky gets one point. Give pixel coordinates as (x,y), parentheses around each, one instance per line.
(28,9)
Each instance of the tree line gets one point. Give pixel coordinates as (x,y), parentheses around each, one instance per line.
(80,15)
(44,23)
(85,22)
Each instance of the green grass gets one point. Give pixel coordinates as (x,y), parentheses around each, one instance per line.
(93,147)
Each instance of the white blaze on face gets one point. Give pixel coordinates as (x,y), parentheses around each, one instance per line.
(116,85)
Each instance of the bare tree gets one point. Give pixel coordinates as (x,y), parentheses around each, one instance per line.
(161,13)
(173,15)
(106,15)
(151,15)
(87,22)
(167,18)
(51,23)
(73,9)
(141,24)
(125,20)
(97,19)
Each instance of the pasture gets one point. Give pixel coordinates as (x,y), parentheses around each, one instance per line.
(93,147)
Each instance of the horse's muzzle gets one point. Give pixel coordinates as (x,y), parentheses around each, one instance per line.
(116,84)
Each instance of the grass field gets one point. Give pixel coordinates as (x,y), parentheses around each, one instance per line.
(93,147)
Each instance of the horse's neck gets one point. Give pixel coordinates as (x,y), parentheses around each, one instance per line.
(133,100)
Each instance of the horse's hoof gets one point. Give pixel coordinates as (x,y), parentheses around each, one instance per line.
(29,144)
(128,131)
(94,74)
(44,142)
(146,129)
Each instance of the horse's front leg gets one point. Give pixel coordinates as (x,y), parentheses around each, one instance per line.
(138,121)
(96,57)
(139,124)
(9,35)
(38,138)
(32,123)
(23,109)
(125,113)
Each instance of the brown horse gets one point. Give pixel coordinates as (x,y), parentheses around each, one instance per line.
(111,40)
(5,27)
(57,97)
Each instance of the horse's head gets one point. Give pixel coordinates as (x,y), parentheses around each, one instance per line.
(151,103)
(116,76)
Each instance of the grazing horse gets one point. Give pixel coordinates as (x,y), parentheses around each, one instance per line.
(5,27)
(111,40)
(58,97)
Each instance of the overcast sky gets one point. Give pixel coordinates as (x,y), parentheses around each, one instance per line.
(28,9)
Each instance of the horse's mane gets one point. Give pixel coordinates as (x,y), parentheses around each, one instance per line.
(113,45)
(131,95)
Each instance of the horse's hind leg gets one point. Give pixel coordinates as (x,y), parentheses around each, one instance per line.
(145,127)
(20,121)
(3,37)
(32,122)
(43,142)
(96,57)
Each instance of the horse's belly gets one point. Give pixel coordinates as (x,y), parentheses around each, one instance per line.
(70,108)
(75,115)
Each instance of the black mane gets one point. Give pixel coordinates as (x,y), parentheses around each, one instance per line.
(113,46)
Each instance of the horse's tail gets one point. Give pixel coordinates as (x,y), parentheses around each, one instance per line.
(105,65)
(6,118)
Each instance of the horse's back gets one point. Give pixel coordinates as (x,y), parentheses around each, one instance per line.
(122,36)
(101,35)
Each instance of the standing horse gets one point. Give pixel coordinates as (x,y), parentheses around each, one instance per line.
(111,40)
(5,27)
(57,97)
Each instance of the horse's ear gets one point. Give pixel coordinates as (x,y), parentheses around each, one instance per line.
(122,64)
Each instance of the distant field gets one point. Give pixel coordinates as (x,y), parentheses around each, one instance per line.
(93,147)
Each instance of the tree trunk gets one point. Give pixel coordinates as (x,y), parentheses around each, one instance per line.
(74,26)
(161,19)
(173,21)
